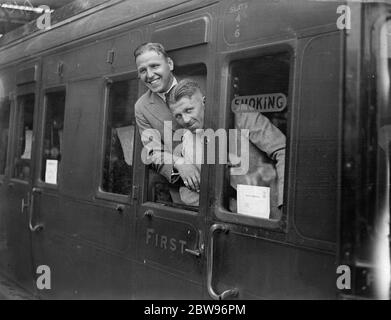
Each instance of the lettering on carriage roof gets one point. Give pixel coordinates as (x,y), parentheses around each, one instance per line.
(273,102)
(235,9)
(164,242)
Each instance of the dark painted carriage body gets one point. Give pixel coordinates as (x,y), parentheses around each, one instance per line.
(103,245)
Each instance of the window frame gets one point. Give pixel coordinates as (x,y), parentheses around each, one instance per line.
(9,142)
(22,90)
(220,211)
(176,207)
(100,193)
(45,91)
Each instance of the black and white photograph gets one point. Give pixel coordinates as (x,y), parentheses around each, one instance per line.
(193,151)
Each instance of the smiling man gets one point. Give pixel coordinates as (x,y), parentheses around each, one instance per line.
(154,69)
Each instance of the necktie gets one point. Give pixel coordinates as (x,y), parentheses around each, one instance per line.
(167,96)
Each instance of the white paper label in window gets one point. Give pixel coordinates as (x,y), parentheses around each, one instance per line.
(253,201)
(51,171)
(28,143)
(126,138)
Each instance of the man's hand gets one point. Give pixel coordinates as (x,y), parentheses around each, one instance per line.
(189,173)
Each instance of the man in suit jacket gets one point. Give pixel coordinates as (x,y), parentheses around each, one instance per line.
(265,156)
(154,119)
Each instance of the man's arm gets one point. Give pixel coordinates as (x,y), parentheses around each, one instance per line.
(154,150)
(163,159)
(269,139)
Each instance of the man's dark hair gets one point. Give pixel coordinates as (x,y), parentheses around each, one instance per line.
(150,46)
(184,88)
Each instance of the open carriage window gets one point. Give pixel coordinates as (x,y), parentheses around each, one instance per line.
(119,140)
(258,102)
(159,189)
(53,133)
(4,132)
(24,136)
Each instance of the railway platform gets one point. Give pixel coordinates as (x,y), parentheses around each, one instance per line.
(9,290)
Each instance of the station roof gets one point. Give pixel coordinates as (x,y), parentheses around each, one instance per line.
(16,13)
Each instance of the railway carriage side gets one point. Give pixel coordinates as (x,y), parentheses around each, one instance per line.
(76,196)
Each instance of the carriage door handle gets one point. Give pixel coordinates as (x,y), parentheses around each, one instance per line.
(38,226)
(26,203)
(197,252)
(227,293)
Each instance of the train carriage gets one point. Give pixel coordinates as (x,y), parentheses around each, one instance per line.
(75,195)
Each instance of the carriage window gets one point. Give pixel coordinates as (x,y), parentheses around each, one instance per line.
(25,115)
(53,133)
(159,190)
(4,132)
(258,102)
(119,140)
(384,65)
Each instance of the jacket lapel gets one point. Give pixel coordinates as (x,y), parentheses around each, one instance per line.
(159,110)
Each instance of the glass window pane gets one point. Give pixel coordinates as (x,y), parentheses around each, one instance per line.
(119,143)
(4,132)
(25,116)
(384,65)
(53,133)
(258,101)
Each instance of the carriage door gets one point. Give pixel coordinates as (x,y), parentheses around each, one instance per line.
(263,241)
(251,205)
(20,195)
(171,231)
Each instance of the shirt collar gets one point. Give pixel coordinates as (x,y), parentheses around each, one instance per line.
(163,94)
